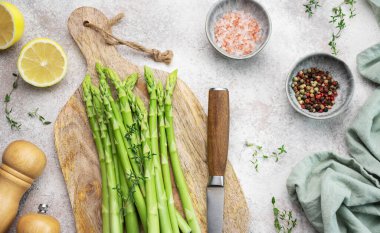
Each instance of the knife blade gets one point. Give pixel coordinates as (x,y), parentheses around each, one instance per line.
(217,151)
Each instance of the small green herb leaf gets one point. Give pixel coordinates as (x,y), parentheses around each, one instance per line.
(284,222)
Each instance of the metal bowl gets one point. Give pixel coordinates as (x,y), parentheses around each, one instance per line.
(250,6)
(338,70)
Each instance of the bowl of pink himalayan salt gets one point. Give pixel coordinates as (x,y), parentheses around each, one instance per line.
(238,29)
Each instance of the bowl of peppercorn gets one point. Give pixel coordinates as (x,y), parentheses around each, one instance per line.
(320,86)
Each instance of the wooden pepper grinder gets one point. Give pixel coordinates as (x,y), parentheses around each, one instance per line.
(38,222)
(22,163)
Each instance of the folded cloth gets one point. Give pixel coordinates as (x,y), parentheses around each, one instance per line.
(375,4)
(338,194)
(368,62)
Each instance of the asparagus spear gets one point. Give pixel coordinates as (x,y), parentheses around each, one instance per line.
(99,147)
(116,163)
(131,221)
(105,90)
(115,220)
(128,84)
(151,198)
(130,124)
(185,228)
(123,156)
(165,223)
(177,170)
(165,159)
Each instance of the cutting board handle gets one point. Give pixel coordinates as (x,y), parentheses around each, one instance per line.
(91,43)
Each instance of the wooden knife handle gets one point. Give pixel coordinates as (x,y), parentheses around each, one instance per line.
(218,127)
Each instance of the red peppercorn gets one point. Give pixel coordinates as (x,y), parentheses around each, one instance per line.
(315,89)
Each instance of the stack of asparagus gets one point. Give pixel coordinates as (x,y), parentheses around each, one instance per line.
(133,146)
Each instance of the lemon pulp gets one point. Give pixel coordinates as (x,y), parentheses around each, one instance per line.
(42,62)
(11,25)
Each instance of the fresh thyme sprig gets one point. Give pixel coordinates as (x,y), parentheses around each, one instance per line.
(35,114)
(284,221)
(311,6)
(8,111)
(135,181)
(131,130)
(338,19)
(258,153)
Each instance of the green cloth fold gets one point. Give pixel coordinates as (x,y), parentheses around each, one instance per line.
(338,194)
(375,4)
(368,63)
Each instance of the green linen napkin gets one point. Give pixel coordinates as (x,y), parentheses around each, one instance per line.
(342,195)
(375,4)
(368,63)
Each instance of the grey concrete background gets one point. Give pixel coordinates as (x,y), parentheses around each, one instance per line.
(260,111)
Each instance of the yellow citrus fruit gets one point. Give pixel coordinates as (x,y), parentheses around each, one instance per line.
(42,62)
(11,25)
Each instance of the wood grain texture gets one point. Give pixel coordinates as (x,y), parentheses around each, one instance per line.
(76,149)
(218,130)
(38,223)
(22,162)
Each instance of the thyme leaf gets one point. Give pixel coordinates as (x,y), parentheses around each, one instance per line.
(35,114)
(284,221)
(14,124)
(338,19)
(258,153)
(311,6)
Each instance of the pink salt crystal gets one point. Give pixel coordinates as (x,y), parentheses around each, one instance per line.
(237,32)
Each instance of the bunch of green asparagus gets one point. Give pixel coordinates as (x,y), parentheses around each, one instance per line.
(134,147)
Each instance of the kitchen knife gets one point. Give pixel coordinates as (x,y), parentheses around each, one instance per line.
(218,124)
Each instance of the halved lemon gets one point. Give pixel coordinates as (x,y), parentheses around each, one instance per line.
(11,25)
(42,62)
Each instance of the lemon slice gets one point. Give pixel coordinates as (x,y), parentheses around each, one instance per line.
(42,62)
(11,25)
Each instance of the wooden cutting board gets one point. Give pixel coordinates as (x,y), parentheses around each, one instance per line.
(77,153)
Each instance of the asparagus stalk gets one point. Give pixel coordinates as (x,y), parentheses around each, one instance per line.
(115,220)
(165,223)
(185,228)
(151,198)
(126,164)
(105,90)
(177,170)
(165,159)
(116,163)
(128,84)
(99,147)
(131,221)
(126,112)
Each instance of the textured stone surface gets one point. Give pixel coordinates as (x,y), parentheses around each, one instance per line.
(260,111)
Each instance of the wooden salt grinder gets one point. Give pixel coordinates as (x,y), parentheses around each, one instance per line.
(38,222)
(22,163)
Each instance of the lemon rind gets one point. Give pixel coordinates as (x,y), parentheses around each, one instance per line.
(28,45)
(10,43)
